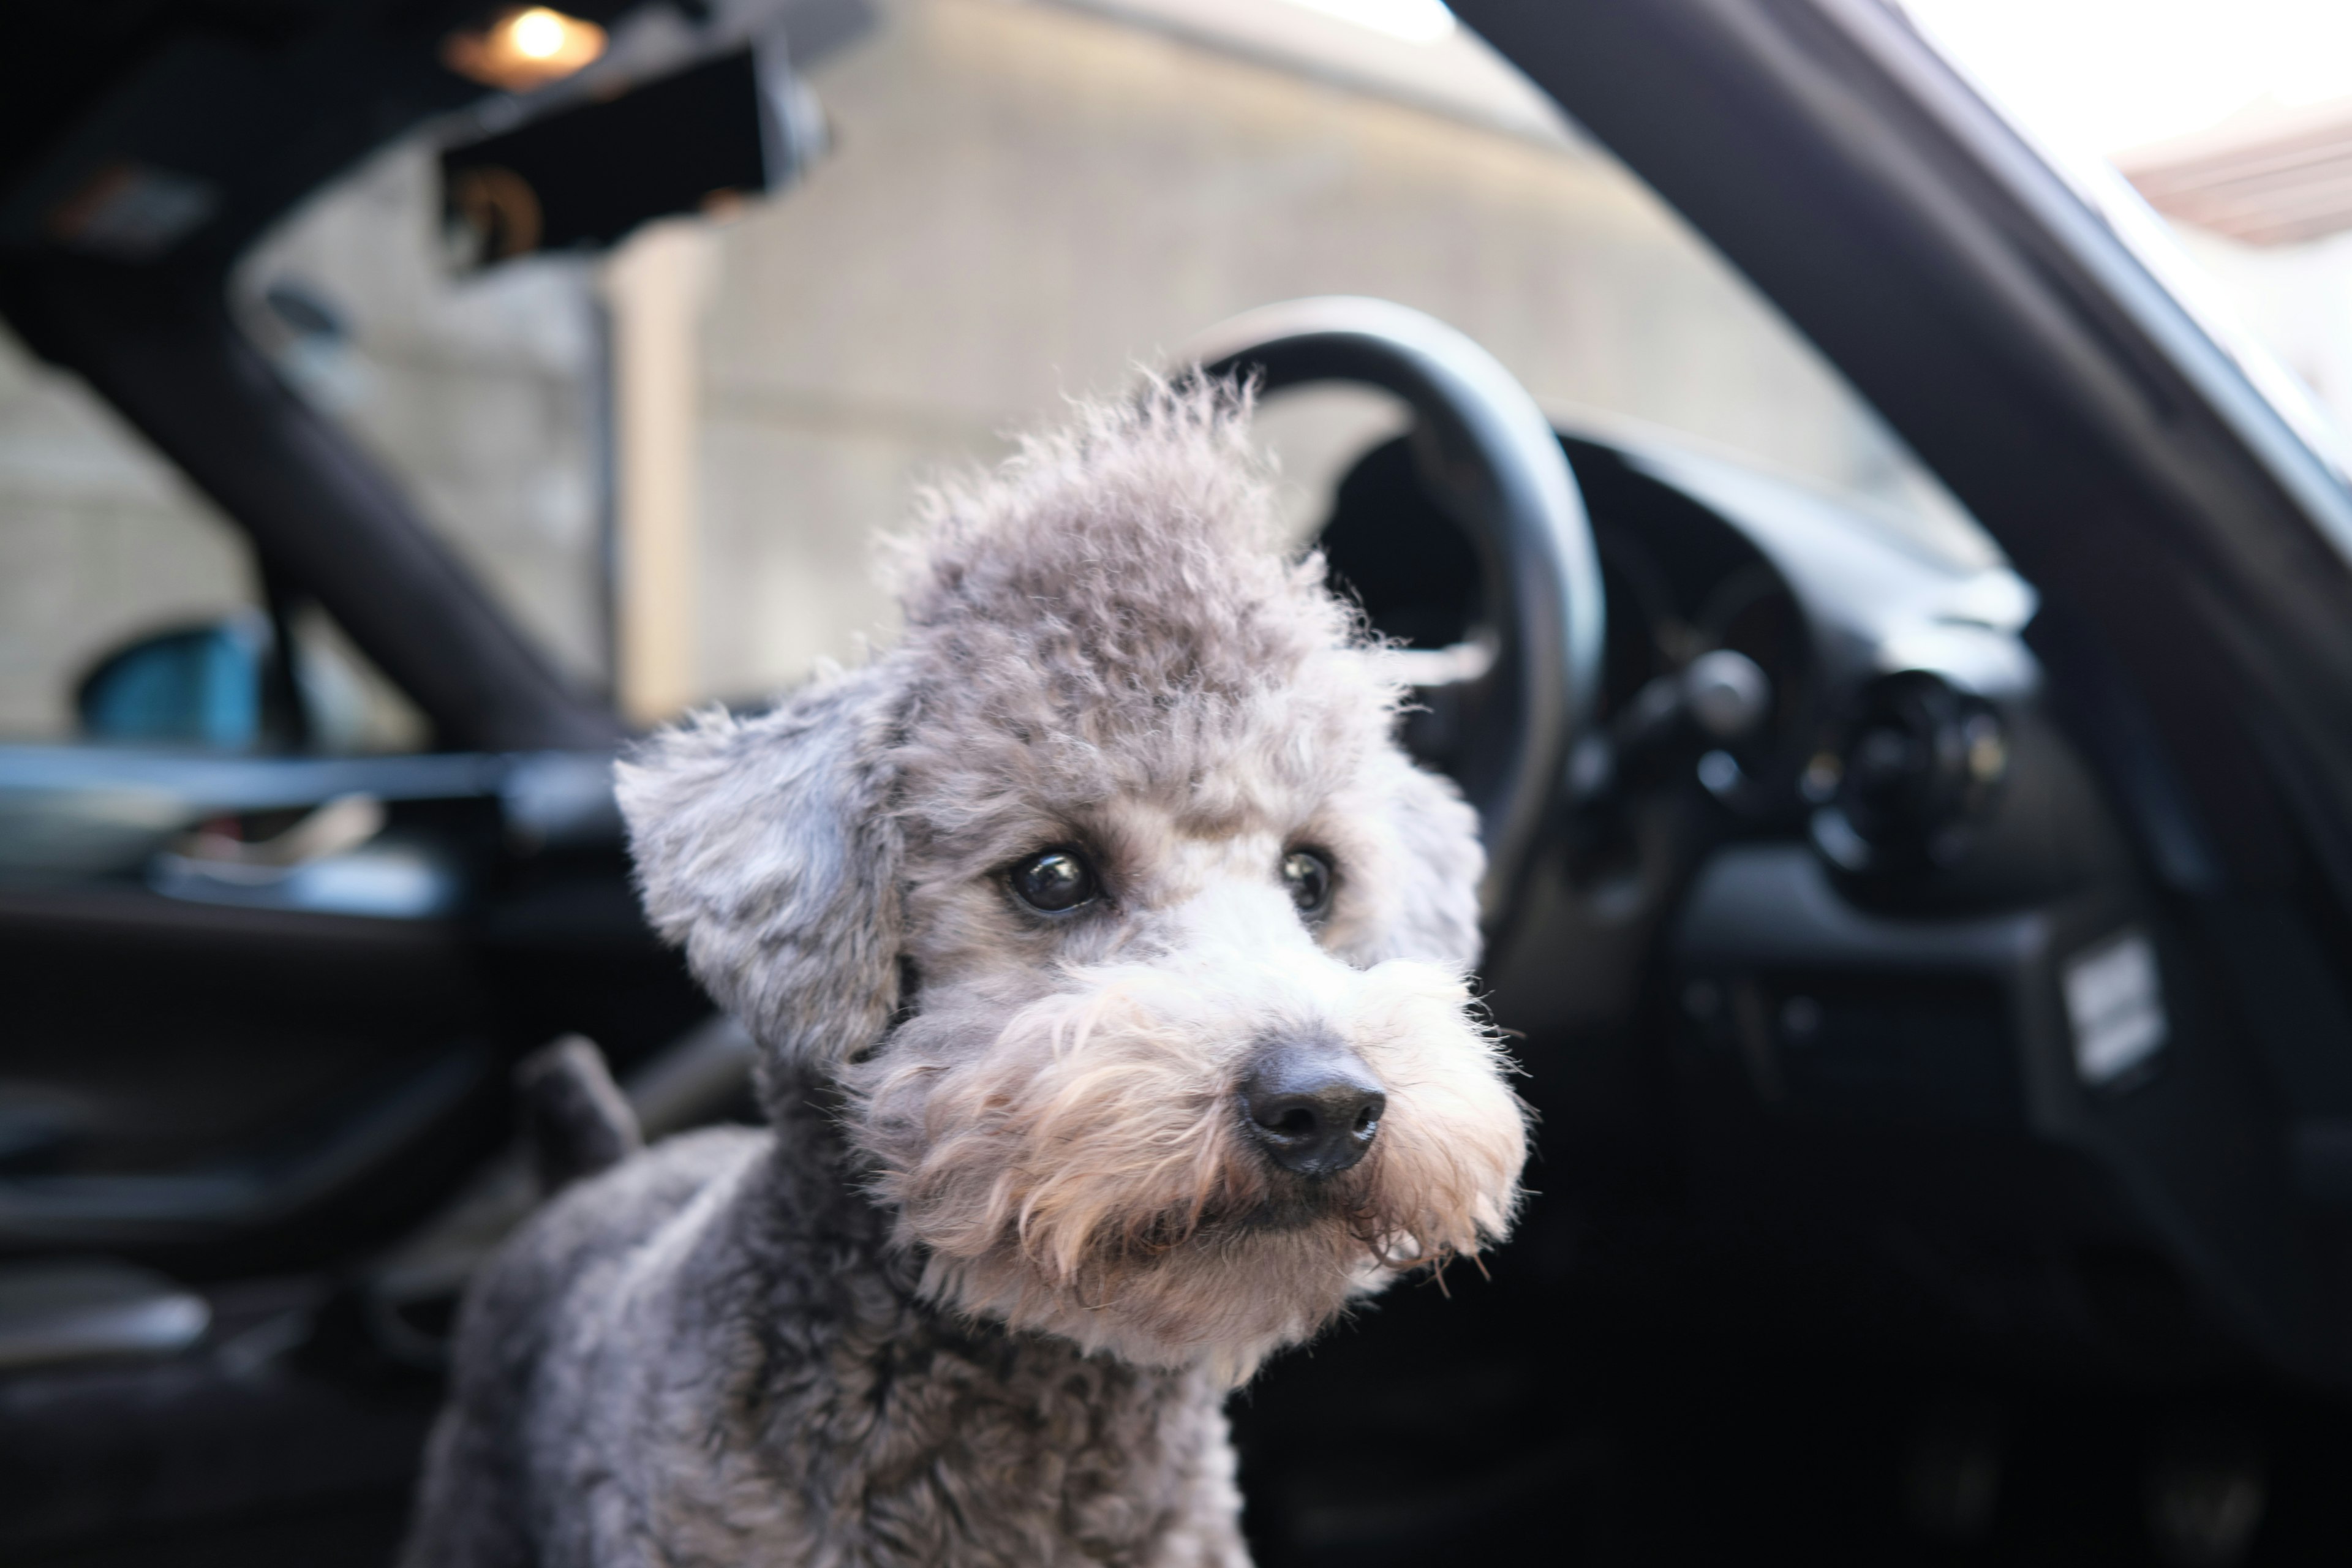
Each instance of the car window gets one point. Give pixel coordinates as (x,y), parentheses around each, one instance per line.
(130,611)
(1020,202)
(2214,136)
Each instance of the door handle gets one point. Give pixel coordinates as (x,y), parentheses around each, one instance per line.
(334,827)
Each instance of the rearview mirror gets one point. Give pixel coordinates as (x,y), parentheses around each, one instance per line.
(585,177)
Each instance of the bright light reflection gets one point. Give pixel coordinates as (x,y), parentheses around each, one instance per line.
(539,34)
(1414,21)
(524,48)
(2101,76)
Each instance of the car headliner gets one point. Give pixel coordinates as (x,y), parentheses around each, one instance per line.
(263,100)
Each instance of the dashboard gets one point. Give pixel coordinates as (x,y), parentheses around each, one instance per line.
(1866,991)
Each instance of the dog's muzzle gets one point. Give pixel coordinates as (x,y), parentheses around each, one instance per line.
(1312,1106)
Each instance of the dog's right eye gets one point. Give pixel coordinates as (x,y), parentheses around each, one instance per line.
(1055,882)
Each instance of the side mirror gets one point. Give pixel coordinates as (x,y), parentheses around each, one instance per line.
(223,685)
(196,686)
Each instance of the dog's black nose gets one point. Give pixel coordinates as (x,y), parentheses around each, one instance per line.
(1314,1109)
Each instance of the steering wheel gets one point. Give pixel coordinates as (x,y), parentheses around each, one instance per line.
(1486,454)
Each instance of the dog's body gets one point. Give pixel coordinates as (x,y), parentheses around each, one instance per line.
(713,1356)
(1108,958)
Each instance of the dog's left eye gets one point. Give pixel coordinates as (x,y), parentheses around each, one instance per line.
(1308,876)
(1053,882)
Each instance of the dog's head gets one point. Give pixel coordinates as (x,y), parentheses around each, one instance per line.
(1137,945)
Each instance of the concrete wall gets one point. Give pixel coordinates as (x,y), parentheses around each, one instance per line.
(1026,200)
(481,394)
(100,542)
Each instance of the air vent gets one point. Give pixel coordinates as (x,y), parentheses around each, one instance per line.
(1919,764)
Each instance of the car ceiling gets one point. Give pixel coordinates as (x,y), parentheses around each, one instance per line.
(261,101)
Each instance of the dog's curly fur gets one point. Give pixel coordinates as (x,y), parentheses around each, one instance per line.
(977,1295)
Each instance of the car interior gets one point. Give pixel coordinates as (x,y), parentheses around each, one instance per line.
(1925,960)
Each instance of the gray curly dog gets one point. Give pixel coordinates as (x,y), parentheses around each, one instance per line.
(1109,963)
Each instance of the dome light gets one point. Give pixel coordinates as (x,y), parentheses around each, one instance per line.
(522,49)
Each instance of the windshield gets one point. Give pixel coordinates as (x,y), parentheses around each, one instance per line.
(2217,136)
(669,460)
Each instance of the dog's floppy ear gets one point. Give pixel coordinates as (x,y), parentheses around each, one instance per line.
(766,846)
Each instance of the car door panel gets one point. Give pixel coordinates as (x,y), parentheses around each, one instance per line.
(225,1053)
